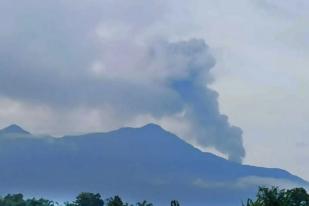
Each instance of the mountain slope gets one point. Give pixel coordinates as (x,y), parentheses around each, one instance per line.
(13,129)
(137,163)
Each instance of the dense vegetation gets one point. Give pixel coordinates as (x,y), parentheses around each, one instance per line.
(83,199)
(279,197)
(265,197)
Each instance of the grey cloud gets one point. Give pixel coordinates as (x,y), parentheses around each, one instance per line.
(59,54)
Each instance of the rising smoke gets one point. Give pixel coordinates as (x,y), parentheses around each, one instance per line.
(200,103)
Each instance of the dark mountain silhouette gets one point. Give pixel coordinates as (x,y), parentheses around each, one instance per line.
(13,129)
(136,163)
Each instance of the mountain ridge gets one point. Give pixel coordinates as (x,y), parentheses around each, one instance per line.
(147,162)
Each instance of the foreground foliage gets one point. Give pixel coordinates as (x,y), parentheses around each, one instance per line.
(265,197)
(279,197)
(83,199)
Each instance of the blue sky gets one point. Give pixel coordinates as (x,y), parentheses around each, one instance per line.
(76,66)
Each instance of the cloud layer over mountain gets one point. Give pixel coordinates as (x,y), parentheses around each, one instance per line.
(105,64)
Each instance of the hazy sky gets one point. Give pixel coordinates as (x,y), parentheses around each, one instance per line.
(77,66)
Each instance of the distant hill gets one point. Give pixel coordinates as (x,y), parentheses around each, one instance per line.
(136,163)
(13,129)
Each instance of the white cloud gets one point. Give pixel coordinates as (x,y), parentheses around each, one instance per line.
(248,182)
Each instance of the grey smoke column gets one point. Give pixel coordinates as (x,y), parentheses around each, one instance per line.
(200,103)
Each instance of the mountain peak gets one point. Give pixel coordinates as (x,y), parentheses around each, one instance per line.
(13,129)
(152,126)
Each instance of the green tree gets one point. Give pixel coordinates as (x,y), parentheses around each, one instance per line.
(276,197)
(13,200)
(88,199)
(175,203)
(39,202)
(297,196)
(144,203)
(115,201)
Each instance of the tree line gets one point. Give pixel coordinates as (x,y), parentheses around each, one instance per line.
(265,197)
(83,199)
(279,197)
